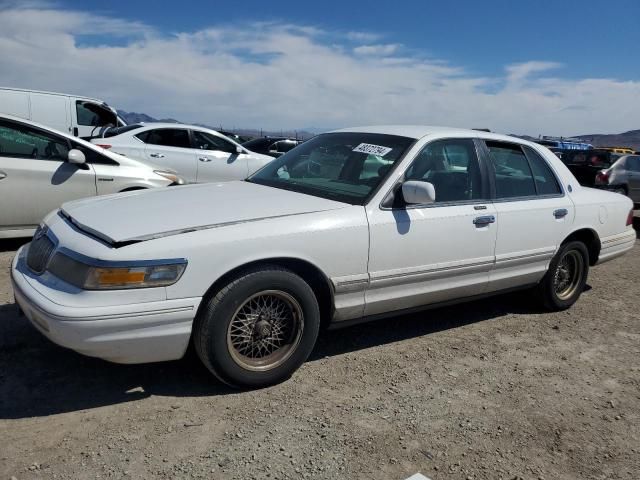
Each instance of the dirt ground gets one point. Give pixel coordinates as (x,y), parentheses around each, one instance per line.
(487,390)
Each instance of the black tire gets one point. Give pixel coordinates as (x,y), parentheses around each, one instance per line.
(564,282)
(240,317)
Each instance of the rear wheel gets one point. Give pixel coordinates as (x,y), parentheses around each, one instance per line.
(564,282)
(259,328)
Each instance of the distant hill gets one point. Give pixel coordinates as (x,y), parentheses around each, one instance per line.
(135,117)
(626,139)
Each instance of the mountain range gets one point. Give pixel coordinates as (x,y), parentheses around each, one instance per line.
(626,139)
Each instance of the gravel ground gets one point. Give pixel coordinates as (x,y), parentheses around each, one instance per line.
(486,390)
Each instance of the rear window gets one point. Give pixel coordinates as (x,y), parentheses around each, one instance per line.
(112,132)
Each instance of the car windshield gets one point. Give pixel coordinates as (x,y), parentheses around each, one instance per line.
(346,167)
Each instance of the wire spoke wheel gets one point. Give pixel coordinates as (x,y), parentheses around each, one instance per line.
(265,330)
(568,275)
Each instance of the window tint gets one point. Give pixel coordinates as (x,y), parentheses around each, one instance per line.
(93,115)
(633,164)
(169,137)
(283,146)
(24,142)
(546,182)
(206,141)
(452,167)
(512,173)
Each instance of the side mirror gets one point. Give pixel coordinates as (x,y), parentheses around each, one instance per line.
(76,157)
(416,192)
(239,149)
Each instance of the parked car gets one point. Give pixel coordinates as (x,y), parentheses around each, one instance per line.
(41,168)
(585,164)
(249,270)
(273,146)
(196,153)
(623,177)
(79,116)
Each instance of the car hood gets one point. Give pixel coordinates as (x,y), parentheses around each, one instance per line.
(144,215)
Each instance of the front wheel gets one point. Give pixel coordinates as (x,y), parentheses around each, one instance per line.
(564,282)
(259,328)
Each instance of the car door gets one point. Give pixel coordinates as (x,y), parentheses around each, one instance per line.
(91,117)
(533,213)
(35,176)
(171,147)
(633,174)
(422,254)
(218,159)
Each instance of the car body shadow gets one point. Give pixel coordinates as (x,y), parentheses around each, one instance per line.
(39,378)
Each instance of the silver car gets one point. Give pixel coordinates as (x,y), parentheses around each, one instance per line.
(41,168)
(623,177)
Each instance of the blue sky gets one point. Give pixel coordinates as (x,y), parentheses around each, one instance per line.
(590,37)
(563,67)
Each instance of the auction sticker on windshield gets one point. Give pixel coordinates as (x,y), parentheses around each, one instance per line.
(372,149)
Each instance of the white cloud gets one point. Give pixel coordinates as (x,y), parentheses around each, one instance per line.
(277,75)
(379,50)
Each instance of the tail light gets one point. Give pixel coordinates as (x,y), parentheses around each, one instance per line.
(602,177)
(630,218)
(104,145)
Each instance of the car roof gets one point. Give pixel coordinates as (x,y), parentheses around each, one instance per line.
(175,125)
(420,131)
(81,97)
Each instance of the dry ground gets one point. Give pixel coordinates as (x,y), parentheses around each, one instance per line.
(490,389)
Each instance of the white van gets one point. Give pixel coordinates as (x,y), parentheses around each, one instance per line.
(78,116)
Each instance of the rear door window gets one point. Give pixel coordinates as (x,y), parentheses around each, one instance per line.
(168,137)
(513,175)
(633,164)
(546,182)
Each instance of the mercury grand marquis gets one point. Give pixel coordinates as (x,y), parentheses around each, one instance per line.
(352,225)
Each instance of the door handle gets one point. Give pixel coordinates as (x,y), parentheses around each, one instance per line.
(484,220)
(204,159)
(3,175)
(560,213)
(157,155)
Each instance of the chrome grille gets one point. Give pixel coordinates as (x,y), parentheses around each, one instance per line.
(40,250)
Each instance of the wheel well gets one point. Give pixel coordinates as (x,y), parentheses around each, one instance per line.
(311,274)
(591,241)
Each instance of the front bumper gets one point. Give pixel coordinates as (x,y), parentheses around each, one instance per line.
(131,333)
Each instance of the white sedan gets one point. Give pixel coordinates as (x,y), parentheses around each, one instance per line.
(352,225)
(198,154)
(41,168)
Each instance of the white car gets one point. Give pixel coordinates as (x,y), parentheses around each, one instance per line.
(198,154)
(41,168)
(352,225)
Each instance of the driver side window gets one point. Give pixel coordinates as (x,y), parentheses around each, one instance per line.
(20,141)
(206,141)
(452,167)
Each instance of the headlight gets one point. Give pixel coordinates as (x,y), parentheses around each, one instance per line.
(90,274)
(172,176)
